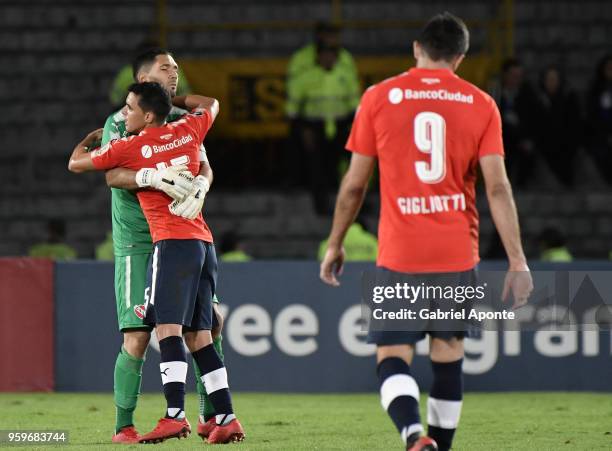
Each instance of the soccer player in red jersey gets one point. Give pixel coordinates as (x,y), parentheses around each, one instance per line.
(429,130)
(183,271)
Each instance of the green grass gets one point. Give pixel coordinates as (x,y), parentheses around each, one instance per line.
(491,422)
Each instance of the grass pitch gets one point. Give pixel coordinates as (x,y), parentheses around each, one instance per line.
(490,422)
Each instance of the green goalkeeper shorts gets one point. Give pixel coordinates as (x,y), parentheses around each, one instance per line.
(130,283)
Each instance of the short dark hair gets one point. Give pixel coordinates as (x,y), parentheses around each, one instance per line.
(146,58)
(444,37)
(323,47)
(326,27)
(152,97)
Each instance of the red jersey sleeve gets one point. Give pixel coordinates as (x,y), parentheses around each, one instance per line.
(201,120)
(491,142)
(112,154)
(363,137)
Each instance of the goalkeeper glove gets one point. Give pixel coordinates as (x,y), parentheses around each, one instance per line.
(191,206)
(175,181)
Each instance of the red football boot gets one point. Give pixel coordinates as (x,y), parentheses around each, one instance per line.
(167,428)
(424,444)
(231,432)
(204,429)
(127,434)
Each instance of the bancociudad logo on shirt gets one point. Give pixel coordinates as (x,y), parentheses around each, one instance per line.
(147,151)
(396,95)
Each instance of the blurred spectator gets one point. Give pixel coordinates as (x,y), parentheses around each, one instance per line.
(359,244)
(104,250)
(517,100)
(322,94)
(231,248)
(326,35)
(557,135)
(551,242)
(54,247)
(599,117)
(125,77)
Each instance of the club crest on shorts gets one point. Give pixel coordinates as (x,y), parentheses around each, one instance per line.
(139,311)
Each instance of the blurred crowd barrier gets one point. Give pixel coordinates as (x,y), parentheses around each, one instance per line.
(284,331)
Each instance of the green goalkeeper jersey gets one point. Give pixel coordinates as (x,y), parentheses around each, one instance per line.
(131,234)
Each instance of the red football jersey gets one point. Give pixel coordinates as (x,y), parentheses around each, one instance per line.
(428,129)
(172,144)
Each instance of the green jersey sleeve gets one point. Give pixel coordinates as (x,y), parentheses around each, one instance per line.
(130,228)
(112,128)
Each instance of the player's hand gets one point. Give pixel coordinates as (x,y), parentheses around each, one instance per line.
(191,206)
(93,139)
(519,283)
(175,181)
(332,266)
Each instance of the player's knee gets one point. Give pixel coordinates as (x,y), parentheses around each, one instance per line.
(197,340)
(405,352)
(136,342)
(190,340)
(168,330)
(446,350)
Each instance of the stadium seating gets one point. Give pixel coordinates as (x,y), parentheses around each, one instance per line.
(282,226)
(57,63)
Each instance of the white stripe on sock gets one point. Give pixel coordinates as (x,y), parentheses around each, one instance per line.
(173,371)
(407,432)
(224,418)
(175,412)
(443,414)
(215,380)
(398,385)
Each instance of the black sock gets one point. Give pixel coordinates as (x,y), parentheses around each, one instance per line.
(214,378)
(444,403)
(399,395)
(173,369)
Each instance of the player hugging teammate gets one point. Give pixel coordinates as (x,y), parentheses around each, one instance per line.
(181,279)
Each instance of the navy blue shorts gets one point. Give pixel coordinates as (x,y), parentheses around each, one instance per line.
(388,338)
(392,337)
(181,283)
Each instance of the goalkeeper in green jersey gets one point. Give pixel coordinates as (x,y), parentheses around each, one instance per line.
(132,246)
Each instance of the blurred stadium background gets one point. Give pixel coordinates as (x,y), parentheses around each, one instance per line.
(59,60)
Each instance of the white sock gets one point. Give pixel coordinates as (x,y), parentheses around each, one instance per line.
(175,412)
(224,418)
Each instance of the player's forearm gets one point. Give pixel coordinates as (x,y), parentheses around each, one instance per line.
(121,178)
(505,217)
(192,101)
(350,199)
(206,171)
(80,160)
